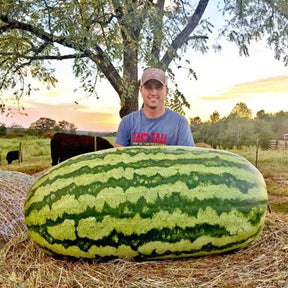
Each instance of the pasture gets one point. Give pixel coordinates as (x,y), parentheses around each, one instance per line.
(36,154)
(262,264)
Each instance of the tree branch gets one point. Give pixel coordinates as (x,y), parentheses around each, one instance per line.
(46,57)
(100,58)
(283,10)
(184,35)
(5,28)
(14,24)
(158,40)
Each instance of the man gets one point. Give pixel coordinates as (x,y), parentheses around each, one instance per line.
(154,124)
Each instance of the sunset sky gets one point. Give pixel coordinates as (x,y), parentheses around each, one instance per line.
(224,79)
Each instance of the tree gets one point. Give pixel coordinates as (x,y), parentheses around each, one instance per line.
(114,38)
(264,131)
(253,20)
(242,131)
(280,124)
(261,114)
(3,129)
(66,126)
(241,110)
(215,117)
(195,121)
(44,124)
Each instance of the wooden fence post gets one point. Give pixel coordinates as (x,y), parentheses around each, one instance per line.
(257,149)
(20,158)
(95,142)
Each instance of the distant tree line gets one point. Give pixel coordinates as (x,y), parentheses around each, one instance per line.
(239,129)
(42,127)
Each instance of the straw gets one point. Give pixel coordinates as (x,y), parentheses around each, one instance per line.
(264,263)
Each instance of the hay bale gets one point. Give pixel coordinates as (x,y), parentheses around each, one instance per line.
(13,189)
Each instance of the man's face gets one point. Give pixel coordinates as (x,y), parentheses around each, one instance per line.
(154,94)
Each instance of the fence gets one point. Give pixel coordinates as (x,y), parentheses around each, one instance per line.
(278,144)
(20,154)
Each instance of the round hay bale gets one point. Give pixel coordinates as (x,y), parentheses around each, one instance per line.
(13,189)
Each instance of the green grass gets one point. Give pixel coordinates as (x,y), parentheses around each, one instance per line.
(35,151)
(273,164)
(111,139)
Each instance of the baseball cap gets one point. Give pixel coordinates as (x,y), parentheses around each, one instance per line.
(155,74)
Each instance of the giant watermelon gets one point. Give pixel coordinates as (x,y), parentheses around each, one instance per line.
(147,203)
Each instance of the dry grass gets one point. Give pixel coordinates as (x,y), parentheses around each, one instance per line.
(263,263)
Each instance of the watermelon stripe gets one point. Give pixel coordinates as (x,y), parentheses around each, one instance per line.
(165,240)
(85,166)
(157,217)
(84,226)
(93,228)
(84,175)
(89,161)
(196,178)
(116,156)
(137,204)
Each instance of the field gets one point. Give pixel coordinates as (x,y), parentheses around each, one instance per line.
(262,264)
(36,154)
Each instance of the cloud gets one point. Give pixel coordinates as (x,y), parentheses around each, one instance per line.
(273,85)
(89,120)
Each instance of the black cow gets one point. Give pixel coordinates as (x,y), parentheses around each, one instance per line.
(12,155)
(64,146)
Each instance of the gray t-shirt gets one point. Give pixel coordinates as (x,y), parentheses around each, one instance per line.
(169,129)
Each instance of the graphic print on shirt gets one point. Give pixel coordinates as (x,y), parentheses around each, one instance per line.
(146,138)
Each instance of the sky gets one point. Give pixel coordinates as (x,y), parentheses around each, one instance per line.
(224,79)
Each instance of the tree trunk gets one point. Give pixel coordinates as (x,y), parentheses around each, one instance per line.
(130,104)
(130,87)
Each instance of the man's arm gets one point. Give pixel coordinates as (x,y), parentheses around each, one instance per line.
(122,137)
(185,137)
